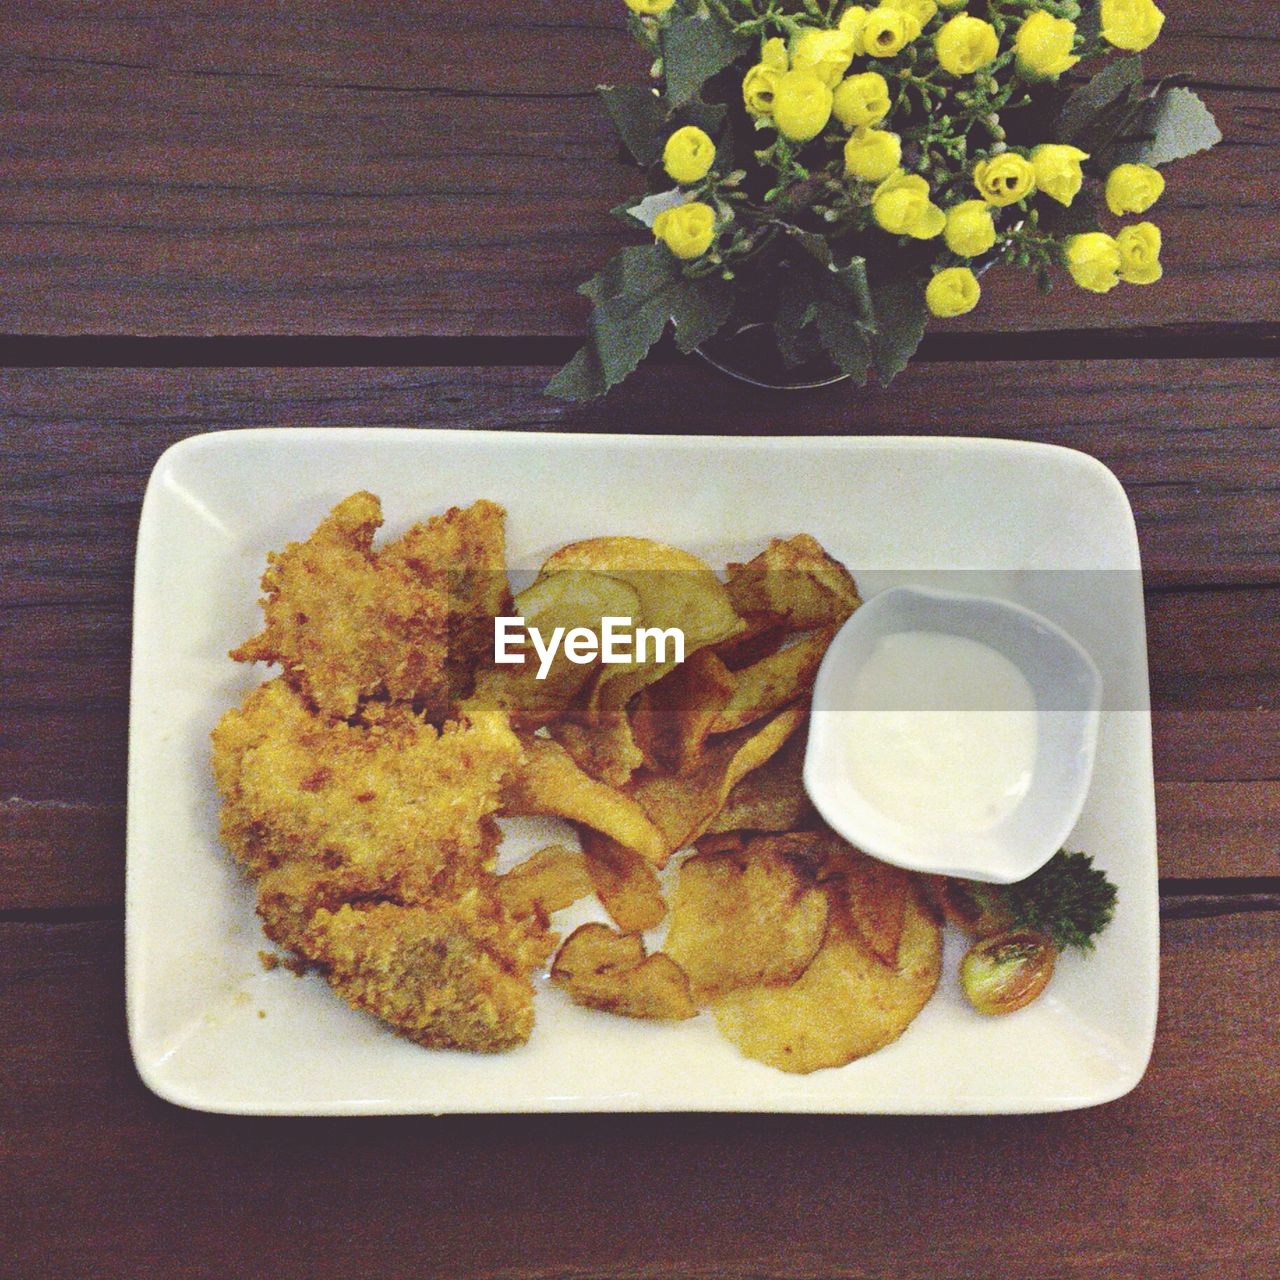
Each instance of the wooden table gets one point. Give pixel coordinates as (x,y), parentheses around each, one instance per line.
(234,214)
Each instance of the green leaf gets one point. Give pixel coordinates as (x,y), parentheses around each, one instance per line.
(638,116)
(901,316)
(1099,105)
(696,47)
(851,277)
(637,293)
(700,309)
(1172,125)
(844,336)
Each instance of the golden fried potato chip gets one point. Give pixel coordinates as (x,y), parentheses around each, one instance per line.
(773,682)
(681,807)
(675,590)
(762,634)
(624,882)
(548,880)
(797,580)
(772,797)
(576,598)
(606,970)
(549,782)
(750,918)
(877,896)
(846,1004)
(608,751)
(672,718)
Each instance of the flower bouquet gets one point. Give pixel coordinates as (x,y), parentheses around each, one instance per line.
(831,175)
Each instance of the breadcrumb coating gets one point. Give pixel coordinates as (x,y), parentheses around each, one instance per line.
(347,623)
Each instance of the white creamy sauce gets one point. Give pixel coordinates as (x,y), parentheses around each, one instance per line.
(941,732)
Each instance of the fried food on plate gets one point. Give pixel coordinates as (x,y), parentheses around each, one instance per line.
(848,1002)
(548,782)
(347,622)
(673,718)
(449,974)
(683,806)
(773,681)
(549,880)
(772,797)
(797,582)
(391,793)
(372,843)
(625,883)
(606,970)
(754,917)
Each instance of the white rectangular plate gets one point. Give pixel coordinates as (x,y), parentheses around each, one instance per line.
(211,1029)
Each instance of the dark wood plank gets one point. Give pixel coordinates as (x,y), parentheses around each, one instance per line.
(1232,825)
(436,169)
(99,1178)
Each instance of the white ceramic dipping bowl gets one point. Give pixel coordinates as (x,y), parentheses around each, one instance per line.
(1067,689)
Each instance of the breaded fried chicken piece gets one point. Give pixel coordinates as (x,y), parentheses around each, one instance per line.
(454,974)
(391,795)
(373,844)
(348,623)
(470,544)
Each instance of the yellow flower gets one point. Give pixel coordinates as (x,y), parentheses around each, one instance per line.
(871,155)
(1094,261)
(687,230)
(1004,179)
(852,20)
(861,100)
(758,87)
(920,10)
(826,53)
(952,292)
(970,230)
(901,206)
(688,155)
(1043,46)
(1139,247)
(1058,172)
(888,31)
(1130,24)
(801,105)
(966,43)
(649,7)
(774,54)
(1133,188)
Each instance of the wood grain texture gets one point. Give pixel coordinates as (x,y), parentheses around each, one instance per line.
(432,169)
(99,1179)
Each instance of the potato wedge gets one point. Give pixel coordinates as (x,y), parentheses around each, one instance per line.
(797,580)
(846,1004)
(682,807)
(751,918)
(673,717)
(607,751)
(773,682)
(606,970)
(548,880)
(625,883)
(549,782)
(772,797)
